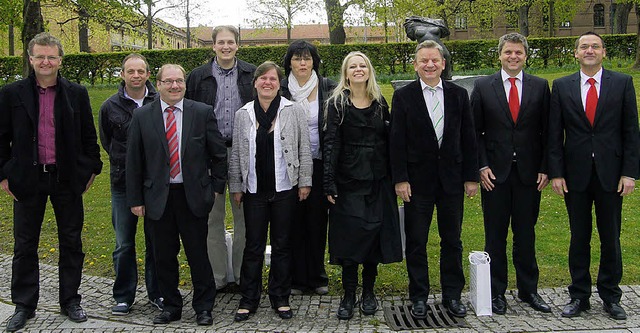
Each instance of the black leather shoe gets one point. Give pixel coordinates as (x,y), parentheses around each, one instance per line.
(455,307)
(166,317)
(345,311)
(284,314)
(74,312)
(615,311)
(19,319)
(419,309)
(575,306)
(204,318)
(536,302)
(499,305)
(242,316)
(368,303)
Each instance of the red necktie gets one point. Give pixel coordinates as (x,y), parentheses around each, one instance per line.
(592,101)
(172,141)
(514,101)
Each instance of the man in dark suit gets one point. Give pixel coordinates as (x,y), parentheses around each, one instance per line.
(48,149)
(593,160)
(176,163)
(434,161)
(511,110)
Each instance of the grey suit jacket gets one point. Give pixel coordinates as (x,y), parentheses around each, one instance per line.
(203,159)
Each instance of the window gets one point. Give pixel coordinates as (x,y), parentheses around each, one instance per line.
(598,15)
(460,23)
(565,24)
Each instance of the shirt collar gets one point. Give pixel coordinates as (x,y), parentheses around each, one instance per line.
(221,70)
(164,105)
(506,76)
(424,85)
(146,93)
(584,77)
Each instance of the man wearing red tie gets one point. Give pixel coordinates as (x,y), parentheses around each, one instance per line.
(511,110)
(176,164)
(593,160)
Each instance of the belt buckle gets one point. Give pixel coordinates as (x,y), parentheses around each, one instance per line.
(44,168)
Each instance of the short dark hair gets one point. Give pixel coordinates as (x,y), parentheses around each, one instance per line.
(135,56)
(265,67)
(230,28)
(301,48)
(589,33)
(45,39)
(513,37)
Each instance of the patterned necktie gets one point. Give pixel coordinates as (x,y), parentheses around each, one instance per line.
(592,101)
(514,101)
(172,141)
(437,115)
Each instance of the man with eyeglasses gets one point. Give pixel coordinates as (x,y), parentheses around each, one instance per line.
(48,150)
(593,160)
(176,165)
(115,117)
(226,83)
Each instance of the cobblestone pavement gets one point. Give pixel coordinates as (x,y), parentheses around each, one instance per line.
(311,313)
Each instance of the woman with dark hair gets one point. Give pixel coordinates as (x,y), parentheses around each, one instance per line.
(270,170)
(363,219)
(304,85)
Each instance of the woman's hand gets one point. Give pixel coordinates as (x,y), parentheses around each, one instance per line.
(303,192)
(237,198)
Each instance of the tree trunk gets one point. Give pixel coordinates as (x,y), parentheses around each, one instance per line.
(523,20)
(335,18)
(83,30)
(552,18)
(188,27)
(33,25)
(149,26)
(621,17)
(636,65)
(12,40)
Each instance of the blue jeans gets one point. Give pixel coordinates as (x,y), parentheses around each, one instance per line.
(124,255)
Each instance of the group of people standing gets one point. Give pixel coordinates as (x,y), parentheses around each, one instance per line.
(299,152)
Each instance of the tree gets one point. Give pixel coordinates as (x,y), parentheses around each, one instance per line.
(33,24)
(149,9)
(620,15)
(11,16)
(278,13)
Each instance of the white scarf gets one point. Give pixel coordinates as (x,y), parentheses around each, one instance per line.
(301,94)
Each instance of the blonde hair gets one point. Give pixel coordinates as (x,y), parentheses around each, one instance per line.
(339,95)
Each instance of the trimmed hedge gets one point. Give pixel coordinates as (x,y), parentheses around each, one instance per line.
(390,58)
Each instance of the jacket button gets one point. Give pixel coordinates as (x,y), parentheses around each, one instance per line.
(286,151)
(35,163)
(282,138)
(288,164)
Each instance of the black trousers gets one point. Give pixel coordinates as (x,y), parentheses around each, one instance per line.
(418,214)
(309,236)
(515,203)
(268,211)
(178,222)
(28,214)
(608,206)
(350,276)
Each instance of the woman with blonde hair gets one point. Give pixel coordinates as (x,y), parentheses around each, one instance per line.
(363,218)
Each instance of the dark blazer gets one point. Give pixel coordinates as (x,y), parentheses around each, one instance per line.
(415,155)
(77,150)
(613,139)
(499,137)
(148,159)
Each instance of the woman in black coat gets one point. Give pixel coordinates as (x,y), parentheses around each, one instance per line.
(363,227)
(304,85)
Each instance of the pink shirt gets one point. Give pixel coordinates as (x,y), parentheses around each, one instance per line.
(46,126)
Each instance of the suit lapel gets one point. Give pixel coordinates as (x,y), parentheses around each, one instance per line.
(187,122)
(421,110)
(501,97)
(157,119)
(605,87)
(526,95)
(576,96)
(30,98)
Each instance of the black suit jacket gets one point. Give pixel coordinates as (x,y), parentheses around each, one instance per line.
(499,137)
(148,159)
(415,155)
(612,140)
(77,150)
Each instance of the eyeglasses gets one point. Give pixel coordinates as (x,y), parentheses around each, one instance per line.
(585,47)
(169,83)
(50,58)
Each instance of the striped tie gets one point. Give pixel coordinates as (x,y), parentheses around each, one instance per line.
(437,115)
(172,141)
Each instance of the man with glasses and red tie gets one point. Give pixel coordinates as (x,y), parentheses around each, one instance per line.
(176,166)
(511,110)
(593,161)
(48,150)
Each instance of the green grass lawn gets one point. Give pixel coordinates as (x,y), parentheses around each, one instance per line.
(552,231)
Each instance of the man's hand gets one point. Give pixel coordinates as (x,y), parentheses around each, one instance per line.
(237,198)
(93,177)
(626,186)
(403,190)
(331,199)
(5,187)
(471,189)
(303,192)
(559,186)
(486,179)
(138,211)
(542,181)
